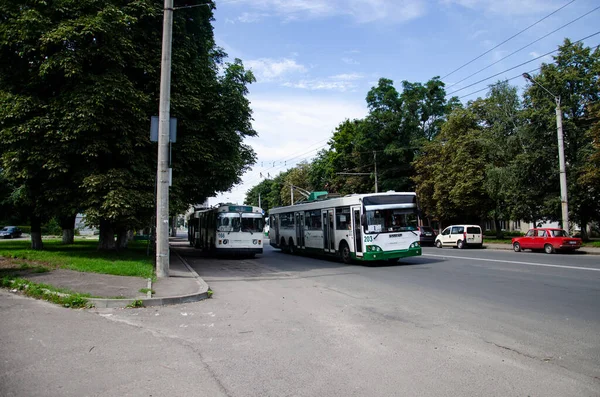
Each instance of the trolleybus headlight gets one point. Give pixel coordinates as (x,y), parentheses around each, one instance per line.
(254,241)
(225,241)
(416,244)
(374,248)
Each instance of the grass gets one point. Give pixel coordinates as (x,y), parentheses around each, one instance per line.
(46,292)
(146,290)
(84,256)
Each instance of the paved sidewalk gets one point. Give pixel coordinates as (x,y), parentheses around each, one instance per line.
(182,285)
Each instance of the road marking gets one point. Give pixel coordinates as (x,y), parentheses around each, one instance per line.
(515,262)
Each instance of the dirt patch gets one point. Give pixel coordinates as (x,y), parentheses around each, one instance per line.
(16,263)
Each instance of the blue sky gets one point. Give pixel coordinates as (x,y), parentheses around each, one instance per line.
(315,60)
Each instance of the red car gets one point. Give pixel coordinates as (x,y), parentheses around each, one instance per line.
(547,239)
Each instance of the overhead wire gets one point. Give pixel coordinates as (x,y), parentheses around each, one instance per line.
(507,40)
(517,66)
(522,48)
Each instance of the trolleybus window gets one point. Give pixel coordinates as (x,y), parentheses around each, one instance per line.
(391,220)
(252,223)
(228,222)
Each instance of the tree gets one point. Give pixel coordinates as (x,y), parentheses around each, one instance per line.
(78,84)
(574,77)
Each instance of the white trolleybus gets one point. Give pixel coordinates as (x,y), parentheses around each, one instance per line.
(364,227)
(227,228)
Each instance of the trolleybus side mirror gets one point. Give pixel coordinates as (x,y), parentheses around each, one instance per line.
(363,220)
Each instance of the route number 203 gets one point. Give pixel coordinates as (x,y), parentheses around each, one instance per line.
(368,239)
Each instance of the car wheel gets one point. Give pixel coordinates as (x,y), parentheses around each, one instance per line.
(345,253)
(548,248)
(460,244)
(438,244)
(517,247)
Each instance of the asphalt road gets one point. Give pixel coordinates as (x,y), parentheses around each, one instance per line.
(449,323)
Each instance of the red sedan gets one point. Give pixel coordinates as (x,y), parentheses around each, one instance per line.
(547,239)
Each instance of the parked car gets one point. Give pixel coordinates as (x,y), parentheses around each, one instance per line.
(10,232)
(460,236)
(547,239)
(427,235)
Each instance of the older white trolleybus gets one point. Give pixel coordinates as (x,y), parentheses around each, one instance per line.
(227,228)
(364,227)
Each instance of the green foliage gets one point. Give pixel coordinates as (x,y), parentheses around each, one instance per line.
(46,292)
(135,304)
(78,84)
(146,290)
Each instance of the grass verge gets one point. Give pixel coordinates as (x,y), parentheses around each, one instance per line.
(84,256)
(46,292)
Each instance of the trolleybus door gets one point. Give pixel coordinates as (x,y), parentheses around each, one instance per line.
(300,229)
(356,229)
(275,223)
(328,233)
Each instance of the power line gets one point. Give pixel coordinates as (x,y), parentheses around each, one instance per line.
(510,38)
(517,66)
(522,48)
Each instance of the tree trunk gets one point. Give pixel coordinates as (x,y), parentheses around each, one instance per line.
(583,226)
(107,236)
(122,238)
(174,226)
(67,223)
(499,233)
(36,233)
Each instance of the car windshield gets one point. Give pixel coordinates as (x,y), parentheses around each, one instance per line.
(559,233)
(391,220)
(426,229)
(4,229)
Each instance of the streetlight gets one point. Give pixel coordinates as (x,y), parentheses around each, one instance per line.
(561,155)
(162,172)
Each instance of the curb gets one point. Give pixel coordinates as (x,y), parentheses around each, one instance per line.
(202,294)
(508,247)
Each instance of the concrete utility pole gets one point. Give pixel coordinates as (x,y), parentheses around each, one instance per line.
(561,156)
(162,174)
(375,162)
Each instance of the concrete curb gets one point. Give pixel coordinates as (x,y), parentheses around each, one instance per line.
(147,302)
(508,247)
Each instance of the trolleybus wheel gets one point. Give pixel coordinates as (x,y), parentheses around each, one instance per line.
(345,253)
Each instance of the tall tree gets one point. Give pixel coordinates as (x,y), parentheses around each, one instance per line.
(574,76)
(78,84)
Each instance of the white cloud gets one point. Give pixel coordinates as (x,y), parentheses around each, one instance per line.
(316,84)
(362,11)
(291,129)
(267,69)
(507,7)
(347,76)
(350,61)
(250,17)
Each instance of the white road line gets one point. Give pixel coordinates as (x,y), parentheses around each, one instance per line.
(515,262)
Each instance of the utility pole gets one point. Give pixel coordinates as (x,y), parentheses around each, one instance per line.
(259,200)
(375,161)
(561,155)
(162,174)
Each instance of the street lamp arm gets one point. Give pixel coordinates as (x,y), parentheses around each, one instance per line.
(531,79)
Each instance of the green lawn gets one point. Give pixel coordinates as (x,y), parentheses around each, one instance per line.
(84,256)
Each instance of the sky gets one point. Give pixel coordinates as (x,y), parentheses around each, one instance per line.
(316,60)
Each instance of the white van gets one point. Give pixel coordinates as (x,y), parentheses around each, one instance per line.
(460,236)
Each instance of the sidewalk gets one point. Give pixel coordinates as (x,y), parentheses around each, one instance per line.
(582,250)
(183,284)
